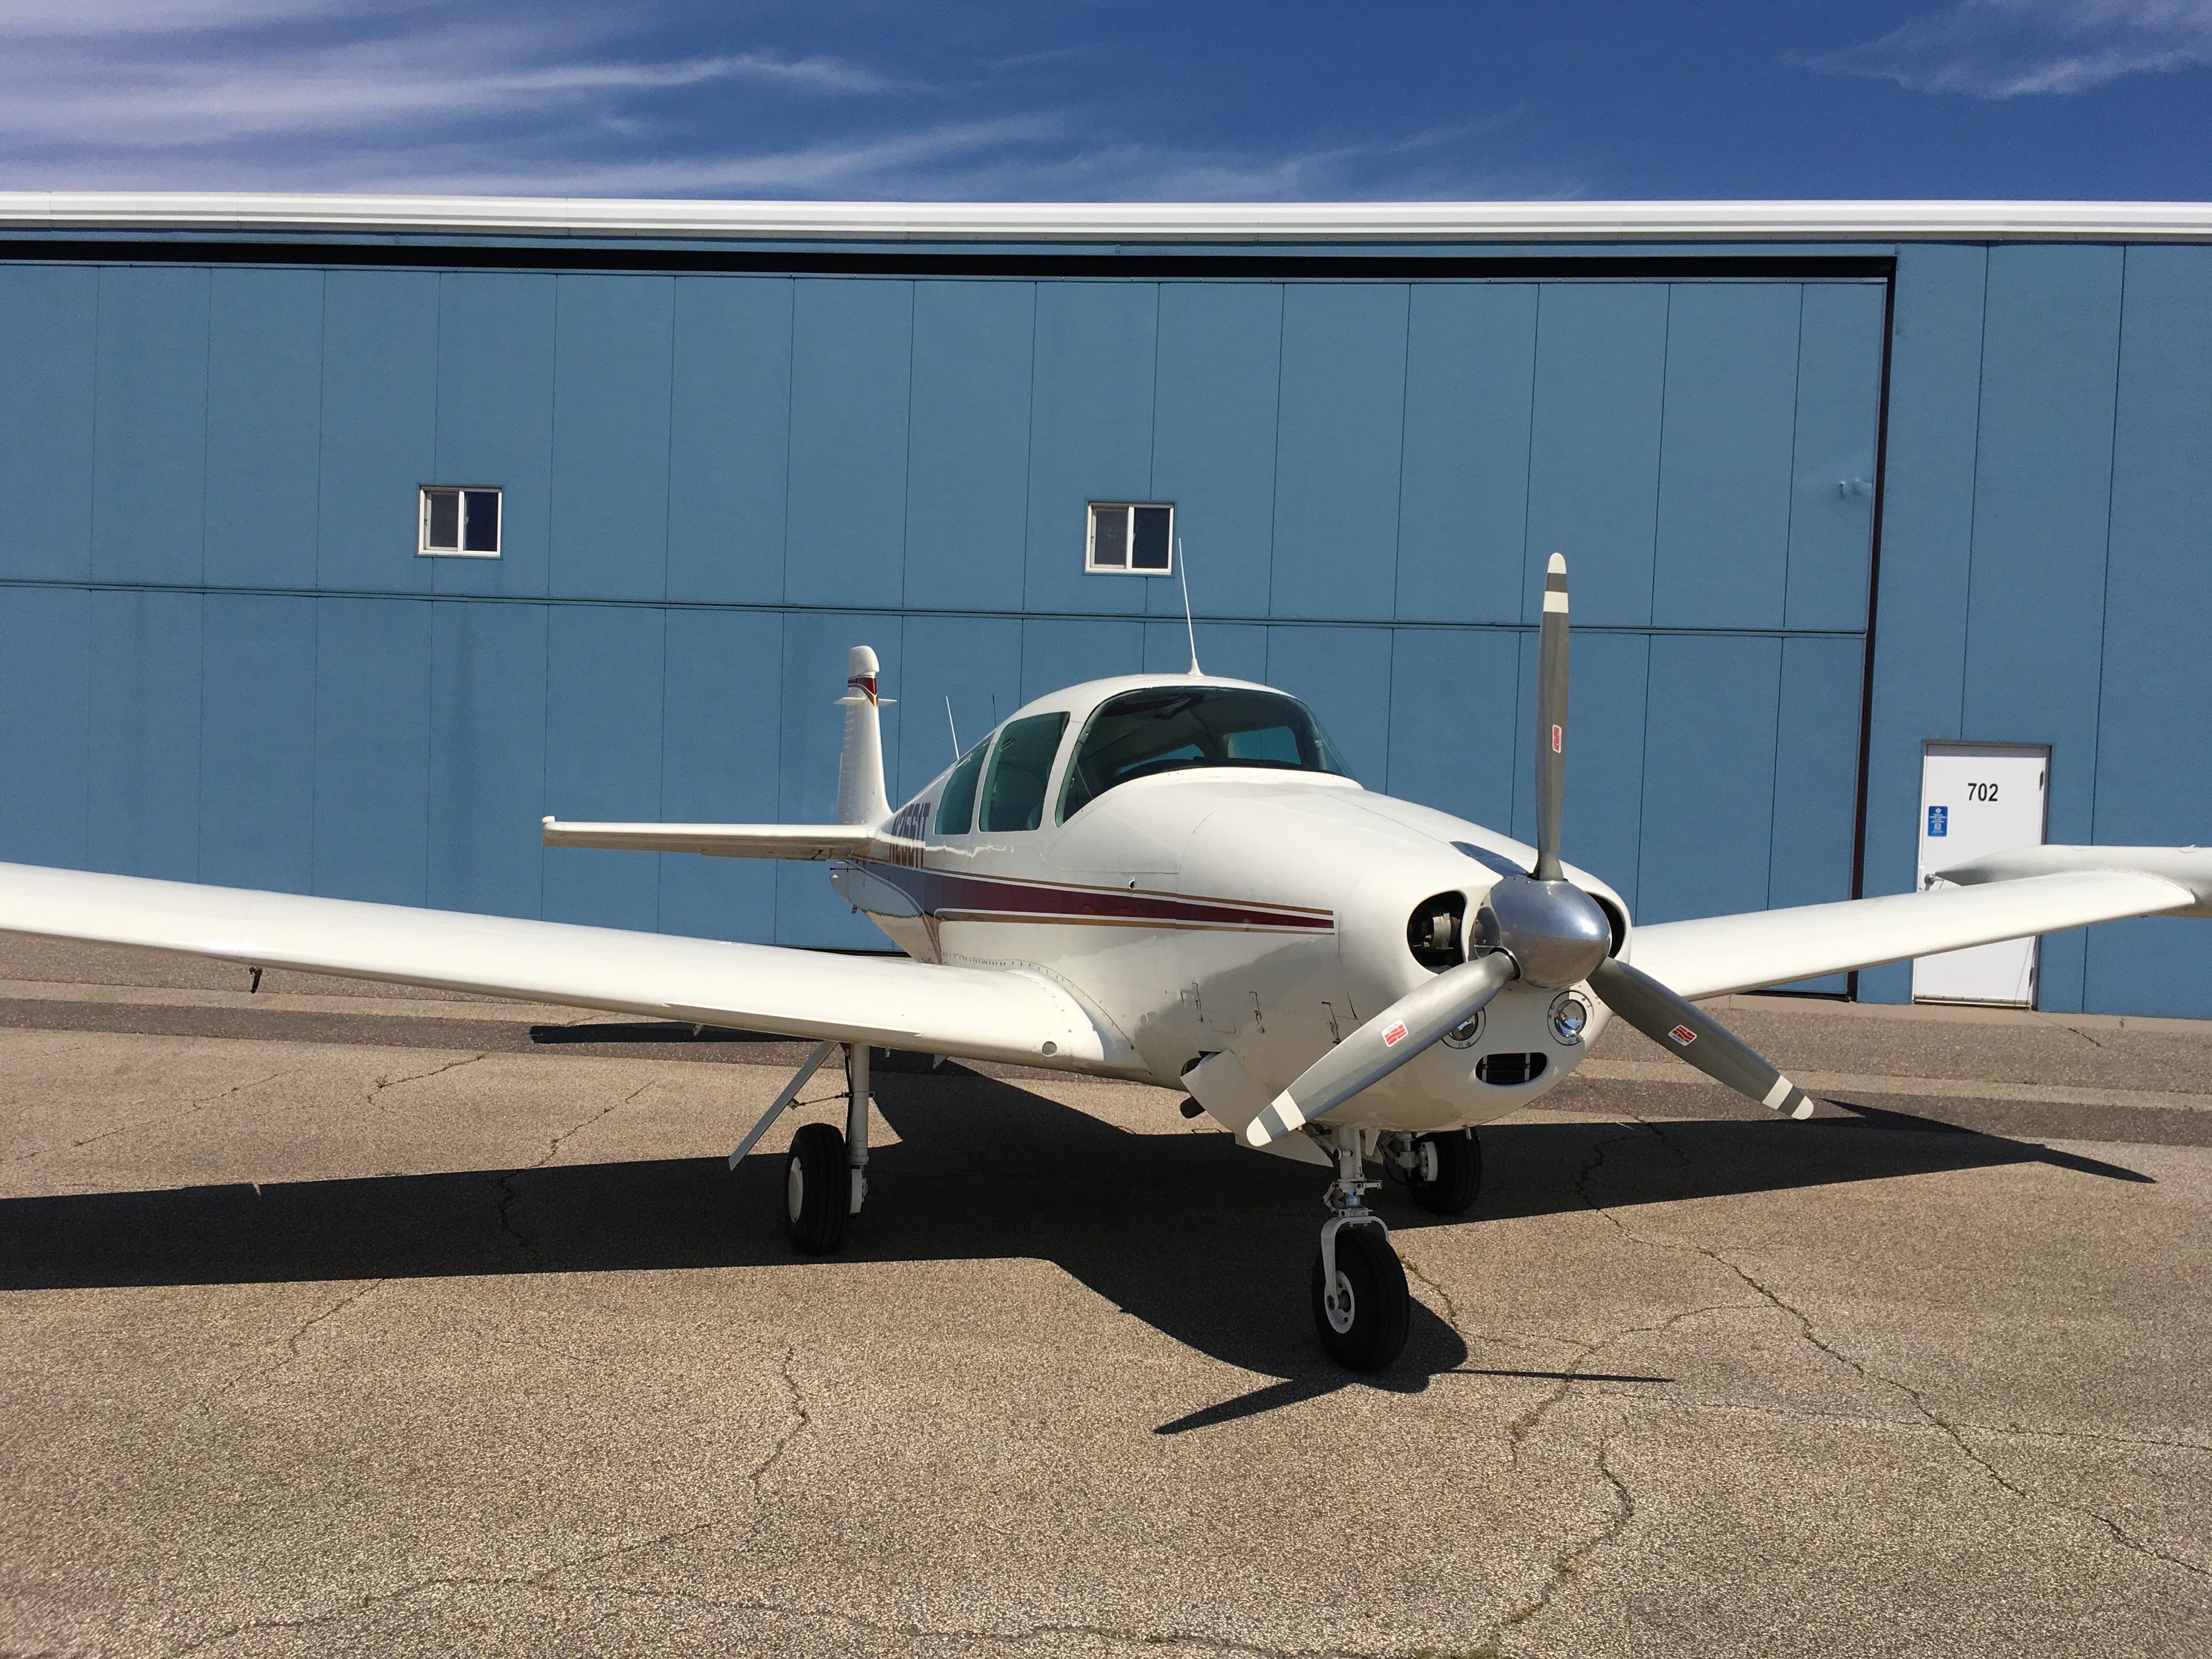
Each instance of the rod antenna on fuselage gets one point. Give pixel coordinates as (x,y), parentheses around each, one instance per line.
(1189,627)
(952,723)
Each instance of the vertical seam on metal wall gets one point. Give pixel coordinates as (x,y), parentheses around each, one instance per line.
(199,804)
(92,472)
(1029,468)
(1651,597)
(430,702)
(1527,533)
(1397,534)
(315,685)
(667,519)
(1788,560)
(661,790)
(1790,501)
(1873,611)
(1275,469)
(2105,620)
(545,612)
(668,456)
(1974,501)
(1658,476)
(1398,501)
(906,478)
(790,409)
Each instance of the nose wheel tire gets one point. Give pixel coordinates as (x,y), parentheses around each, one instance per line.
(1447,1172)
(818,1187)
(1362,1318)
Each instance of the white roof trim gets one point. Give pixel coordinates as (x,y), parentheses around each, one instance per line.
(1150,221)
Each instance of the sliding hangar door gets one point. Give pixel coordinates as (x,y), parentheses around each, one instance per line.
(222,658)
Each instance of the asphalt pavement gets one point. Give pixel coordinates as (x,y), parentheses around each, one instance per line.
(341,1320)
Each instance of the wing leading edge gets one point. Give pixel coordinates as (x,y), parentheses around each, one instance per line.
(1719,954)
(975,1013)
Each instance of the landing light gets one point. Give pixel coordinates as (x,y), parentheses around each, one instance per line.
(1570,1015)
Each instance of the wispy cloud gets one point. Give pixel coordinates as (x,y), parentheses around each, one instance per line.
(563,97)
(109,87)
(2000,49)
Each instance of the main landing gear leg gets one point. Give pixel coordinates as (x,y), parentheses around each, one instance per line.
(824,1176)
(1360,1304)
(856,1121)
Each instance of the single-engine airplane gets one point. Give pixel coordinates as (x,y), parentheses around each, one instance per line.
(1174,879)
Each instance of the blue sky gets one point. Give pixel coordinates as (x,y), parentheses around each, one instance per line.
(850,98)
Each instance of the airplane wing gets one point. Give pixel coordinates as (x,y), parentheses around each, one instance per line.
(975,1013)
(1719,954)
(729,841)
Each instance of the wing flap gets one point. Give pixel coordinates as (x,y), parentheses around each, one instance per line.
(729,841)
(1719,954)
(972,1012)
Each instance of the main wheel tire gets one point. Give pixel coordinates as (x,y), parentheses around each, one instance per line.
(1459,1173)
(817,1189)
(1364,1329)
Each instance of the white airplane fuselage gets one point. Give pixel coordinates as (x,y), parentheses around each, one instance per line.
(1246,910)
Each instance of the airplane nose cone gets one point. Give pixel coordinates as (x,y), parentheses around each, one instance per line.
(1554,931)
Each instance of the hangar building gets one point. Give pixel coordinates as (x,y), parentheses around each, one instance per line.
(342,537)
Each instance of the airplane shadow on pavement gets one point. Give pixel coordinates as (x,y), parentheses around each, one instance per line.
(1208,1244)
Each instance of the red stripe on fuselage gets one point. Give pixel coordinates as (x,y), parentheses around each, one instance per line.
(1003,898)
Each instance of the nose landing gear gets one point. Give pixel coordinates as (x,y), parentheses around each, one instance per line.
(1443,1172)
(1361,1306)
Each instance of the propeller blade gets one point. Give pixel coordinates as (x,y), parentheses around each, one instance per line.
(1552,720)
(1677,1023)
(1407,1028)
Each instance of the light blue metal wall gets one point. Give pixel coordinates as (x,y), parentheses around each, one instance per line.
(2047,569)
(220,659)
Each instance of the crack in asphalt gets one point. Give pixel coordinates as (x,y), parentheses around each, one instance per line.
(507,1194)
(801,1418)
(291,1354)
(384,1083)
(1049,1630)
(1951,1431)
(1451,1307)
(1569,1562)
(185,1110)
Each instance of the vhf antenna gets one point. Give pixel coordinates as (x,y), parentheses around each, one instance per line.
(1189,627)
(953,724)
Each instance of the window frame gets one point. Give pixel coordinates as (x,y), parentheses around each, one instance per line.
(423,548)
(1054,765)
(1091,565)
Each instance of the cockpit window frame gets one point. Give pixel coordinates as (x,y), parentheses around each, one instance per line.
(1332,760)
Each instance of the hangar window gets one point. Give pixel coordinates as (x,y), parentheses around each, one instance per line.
(1131,538)
(459,521)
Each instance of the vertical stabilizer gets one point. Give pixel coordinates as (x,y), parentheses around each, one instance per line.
(860,798)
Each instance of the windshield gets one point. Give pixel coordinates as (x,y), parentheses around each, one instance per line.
(1166,728)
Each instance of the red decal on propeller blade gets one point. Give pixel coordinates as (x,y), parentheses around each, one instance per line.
(1683,1034)
(1395,1035)
(1557,743)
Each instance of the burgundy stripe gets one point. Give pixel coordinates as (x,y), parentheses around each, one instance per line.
(937,891)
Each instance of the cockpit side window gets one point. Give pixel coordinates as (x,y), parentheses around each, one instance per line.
(1165,728)
(1021,766)
(956,807)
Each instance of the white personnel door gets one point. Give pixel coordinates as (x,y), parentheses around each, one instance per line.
(1978,799)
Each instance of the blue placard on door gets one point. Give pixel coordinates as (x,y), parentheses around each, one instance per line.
(1939,821)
